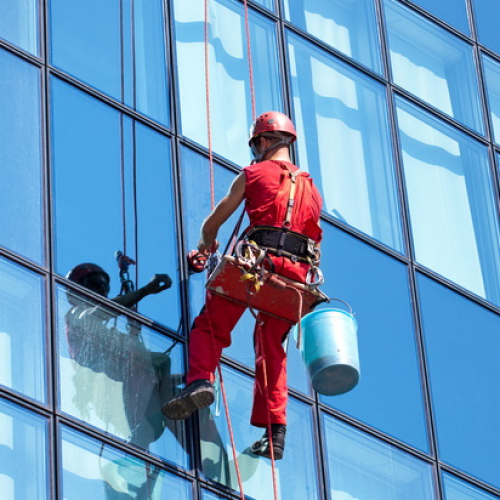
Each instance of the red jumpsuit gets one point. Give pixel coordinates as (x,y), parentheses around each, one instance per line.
(267,187)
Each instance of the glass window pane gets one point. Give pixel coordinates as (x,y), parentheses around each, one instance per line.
(492,76)
(487,13)
(23,445)
(350,27)
(364,468)
(112,184)
(256,473)
(91,469)
(452,210)
(116,374)
(433,64)
(19,24)
(22,331)
(389,394)
(230,101)
(453,12)
(462,345)
(21,212)
(456,489)
(118,47)
(343,142)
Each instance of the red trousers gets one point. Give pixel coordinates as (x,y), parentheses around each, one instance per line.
(218,318)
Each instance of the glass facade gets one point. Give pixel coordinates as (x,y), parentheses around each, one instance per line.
(104,151)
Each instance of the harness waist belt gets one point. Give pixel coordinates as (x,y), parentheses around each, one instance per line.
(283,242)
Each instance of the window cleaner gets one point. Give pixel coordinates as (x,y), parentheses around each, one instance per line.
(284,208)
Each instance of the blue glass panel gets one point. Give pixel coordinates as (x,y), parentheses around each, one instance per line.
(462,345)
(453,12)
(118,47)
(115,374)
(343,142)
(350,27)
(85,42)
(361,467)
(21,227)
(487,13)
(19,23)
(112,185)
(23,454)
(86,160)
(388,395)
(256,473)
(450,195)
(492,76)
(22,331)
(230,93)
(156,230)
(433,64)
(91,469)
(456,489)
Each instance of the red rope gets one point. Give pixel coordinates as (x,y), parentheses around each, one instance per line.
(207,105)
(226,409)
(266,392)
(249,56)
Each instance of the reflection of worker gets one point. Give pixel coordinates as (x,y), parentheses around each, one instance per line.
(120,355)
(288,226)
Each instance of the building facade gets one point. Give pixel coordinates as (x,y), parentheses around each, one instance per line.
(104,147)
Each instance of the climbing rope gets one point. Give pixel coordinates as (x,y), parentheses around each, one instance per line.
(212,206)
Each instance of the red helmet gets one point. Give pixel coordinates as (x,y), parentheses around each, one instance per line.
(78,272)
(272,121)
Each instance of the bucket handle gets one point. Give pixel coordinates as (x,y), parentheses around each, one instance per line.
(343,302)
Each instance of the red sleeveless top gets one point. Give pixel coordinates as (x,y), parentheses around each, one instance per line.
(267,191)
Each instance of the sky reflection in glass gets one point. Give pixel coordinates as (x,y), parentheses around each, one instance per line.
(453,216)
(343,141)
(229,80)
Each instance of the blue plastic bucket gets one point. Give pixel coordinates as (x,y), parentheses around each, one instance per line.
(329,347)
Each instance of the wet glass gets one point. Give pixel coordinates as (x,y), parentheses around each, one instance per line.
(23,445)
(389,393)
(433,64)
(21,207)
(363,468)
(116,47)
(92,469)
(113,191)
(487,13)
(350,27)
(344,141)
(451,201)
(229,79)
(453,12)
(22,331)
(19,24)
(256,473)
(456,489)
(116,374)
(492,78)
(462,345)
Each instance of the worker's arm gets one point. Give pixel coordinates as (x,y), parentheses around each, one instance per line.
(157,284)
(224,209)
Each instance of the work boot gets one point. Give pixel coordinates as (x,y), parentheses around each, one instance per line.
(262,448)
(197,395)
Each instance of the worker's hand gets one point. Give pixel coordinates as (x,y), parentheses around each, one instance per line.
(208,249)
(158,283)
